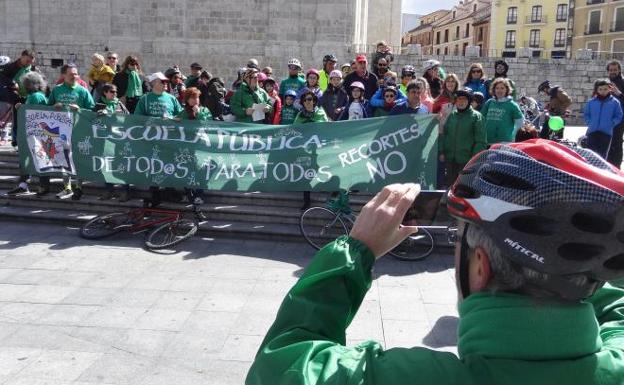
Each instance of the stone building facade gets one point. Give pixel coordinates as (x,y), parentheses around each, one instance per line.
(220,34)
(598,25)
(423,34)
(453,32)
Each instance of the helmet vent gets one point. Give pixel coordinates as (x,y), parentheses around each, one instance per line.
(580,251)
(505,180)
(592,223)
(534,224)
(615,263)
(467,192)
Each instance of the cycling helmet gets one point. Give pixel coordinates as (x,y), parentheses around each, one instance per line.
(4,60)
(345,65)
(269,80)
(391,89)
(429,64)
(408,70)
(467,92)
(312,71)
(262,77)
(249,72)
(291,93)
(330,57)
(358,85)
(478,97)
(294,62)
(335,74)
(556,213)
(543,85)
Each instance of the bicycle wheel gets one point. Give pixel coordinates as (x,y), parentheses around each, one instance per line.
(414,248)
(319,226)
(104,226)
(170,234)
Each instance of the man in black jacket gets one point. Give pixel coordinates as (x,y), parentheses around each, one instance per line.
(361,74)
(614,69)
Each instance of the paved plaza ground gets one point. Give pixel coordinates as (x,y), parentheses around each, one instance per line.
(75,312)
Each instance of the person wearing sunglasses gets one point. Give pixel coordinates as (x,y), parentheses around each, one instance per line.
(389,95)
(112,60)
(476,80)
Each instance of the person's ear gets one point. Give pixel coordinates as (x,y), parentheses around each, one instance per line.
(480,271)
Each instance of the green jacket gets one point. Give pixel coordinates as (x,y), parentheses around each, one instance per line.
(464,136)
(202,114)
(500,119)
(244,98)
(504,339)
(317,116)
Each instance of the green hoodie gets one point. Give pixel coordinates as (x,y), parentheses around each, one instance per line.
(500,119)
(317,116)
(244,98)
(464,136)
(504,339)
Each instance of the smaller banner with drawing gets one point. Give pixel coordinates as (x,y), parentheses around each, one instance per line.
(363,155)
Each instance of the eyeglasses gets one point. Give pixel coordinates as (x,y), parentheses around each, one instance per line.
(308,100)
(293,68)
(476,71)
(112,92)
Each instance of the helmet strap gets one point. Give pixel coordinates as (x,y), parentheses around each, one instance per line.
(464,265)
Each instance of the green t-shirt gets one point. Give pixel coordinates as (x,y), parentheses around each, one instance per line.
(159,106)
(202,114)
(66,95)
(36,98)
(500,117)
(294,83)
(289,113)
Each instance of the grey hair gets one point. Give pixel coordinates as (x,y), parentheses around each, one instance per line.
(505,276)
(33,82)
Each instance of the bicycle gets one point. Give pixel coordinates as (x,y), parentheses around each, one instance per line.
(165,227)
(320,225)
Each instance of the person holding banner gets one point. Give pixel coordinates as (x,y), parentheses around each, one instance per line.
(35,85)
(75,97)
(158,103)
(250,103)
(289,112)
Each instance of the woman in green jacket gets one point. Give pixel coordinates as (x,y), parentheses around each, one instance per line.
(247,96)
(503,117)
(311,113)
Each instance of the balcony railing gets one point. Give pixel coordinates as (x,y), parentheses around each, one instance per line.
(510,44)
(535,43)
(562,18)
(559,43)
(590,2)
(536,19)
(593,29)
(617,26)
(512,20)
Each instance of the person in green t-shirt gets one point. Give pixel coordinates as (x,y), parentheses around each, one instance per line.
(70,95)
(158,103)
(295,80)
(502,115)
(289,112)
(35,85)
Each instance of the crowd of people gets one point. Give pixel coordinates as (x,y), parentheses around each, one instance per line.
(473,114)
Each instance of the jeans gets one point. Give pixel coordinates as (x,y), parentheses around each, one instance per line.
(599,143)
(615,151)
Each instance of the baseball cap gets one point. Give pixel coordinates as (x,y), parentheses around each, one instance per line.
(156,75)
(196,65)
(360,58)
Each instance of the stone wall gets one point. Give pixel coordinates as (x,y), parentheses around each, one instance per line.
(575,76)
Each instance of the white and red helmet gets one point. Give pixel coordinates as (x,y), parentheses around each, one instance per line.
(551,209)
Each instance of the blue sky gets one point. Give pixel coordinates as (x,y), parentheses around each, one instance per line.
(425,6)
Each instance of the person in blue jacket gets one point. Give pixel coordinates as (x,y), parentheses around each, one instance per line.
(476,80)
(602,113)
(412,105)
(377,101)
(358,107)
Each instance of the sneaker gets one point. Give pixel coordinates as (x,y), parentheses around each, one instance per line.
(66,193)
(43,191)
(77,194)
(124,196)
(18,190)
(106,196)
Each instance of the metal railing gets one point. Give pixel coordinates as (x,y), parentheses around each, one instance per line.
(617,26)
(593,29)
(559,43)
(591,2)
(536,19)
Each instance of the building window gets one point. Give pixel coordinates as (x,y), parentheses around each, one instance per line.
(453,14)
(446,35)
(536,14)
(618,49)
(438,51)
(560,37)
(618,23)
(457,32)
(467,30)
(593,45)
(438,38)
(510,39)
(474,8)
(512,15)
(562,12)
(464,49)
(456,50)
(445,50)
(590,2)
(593,27)
(480,34)
(534,38)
